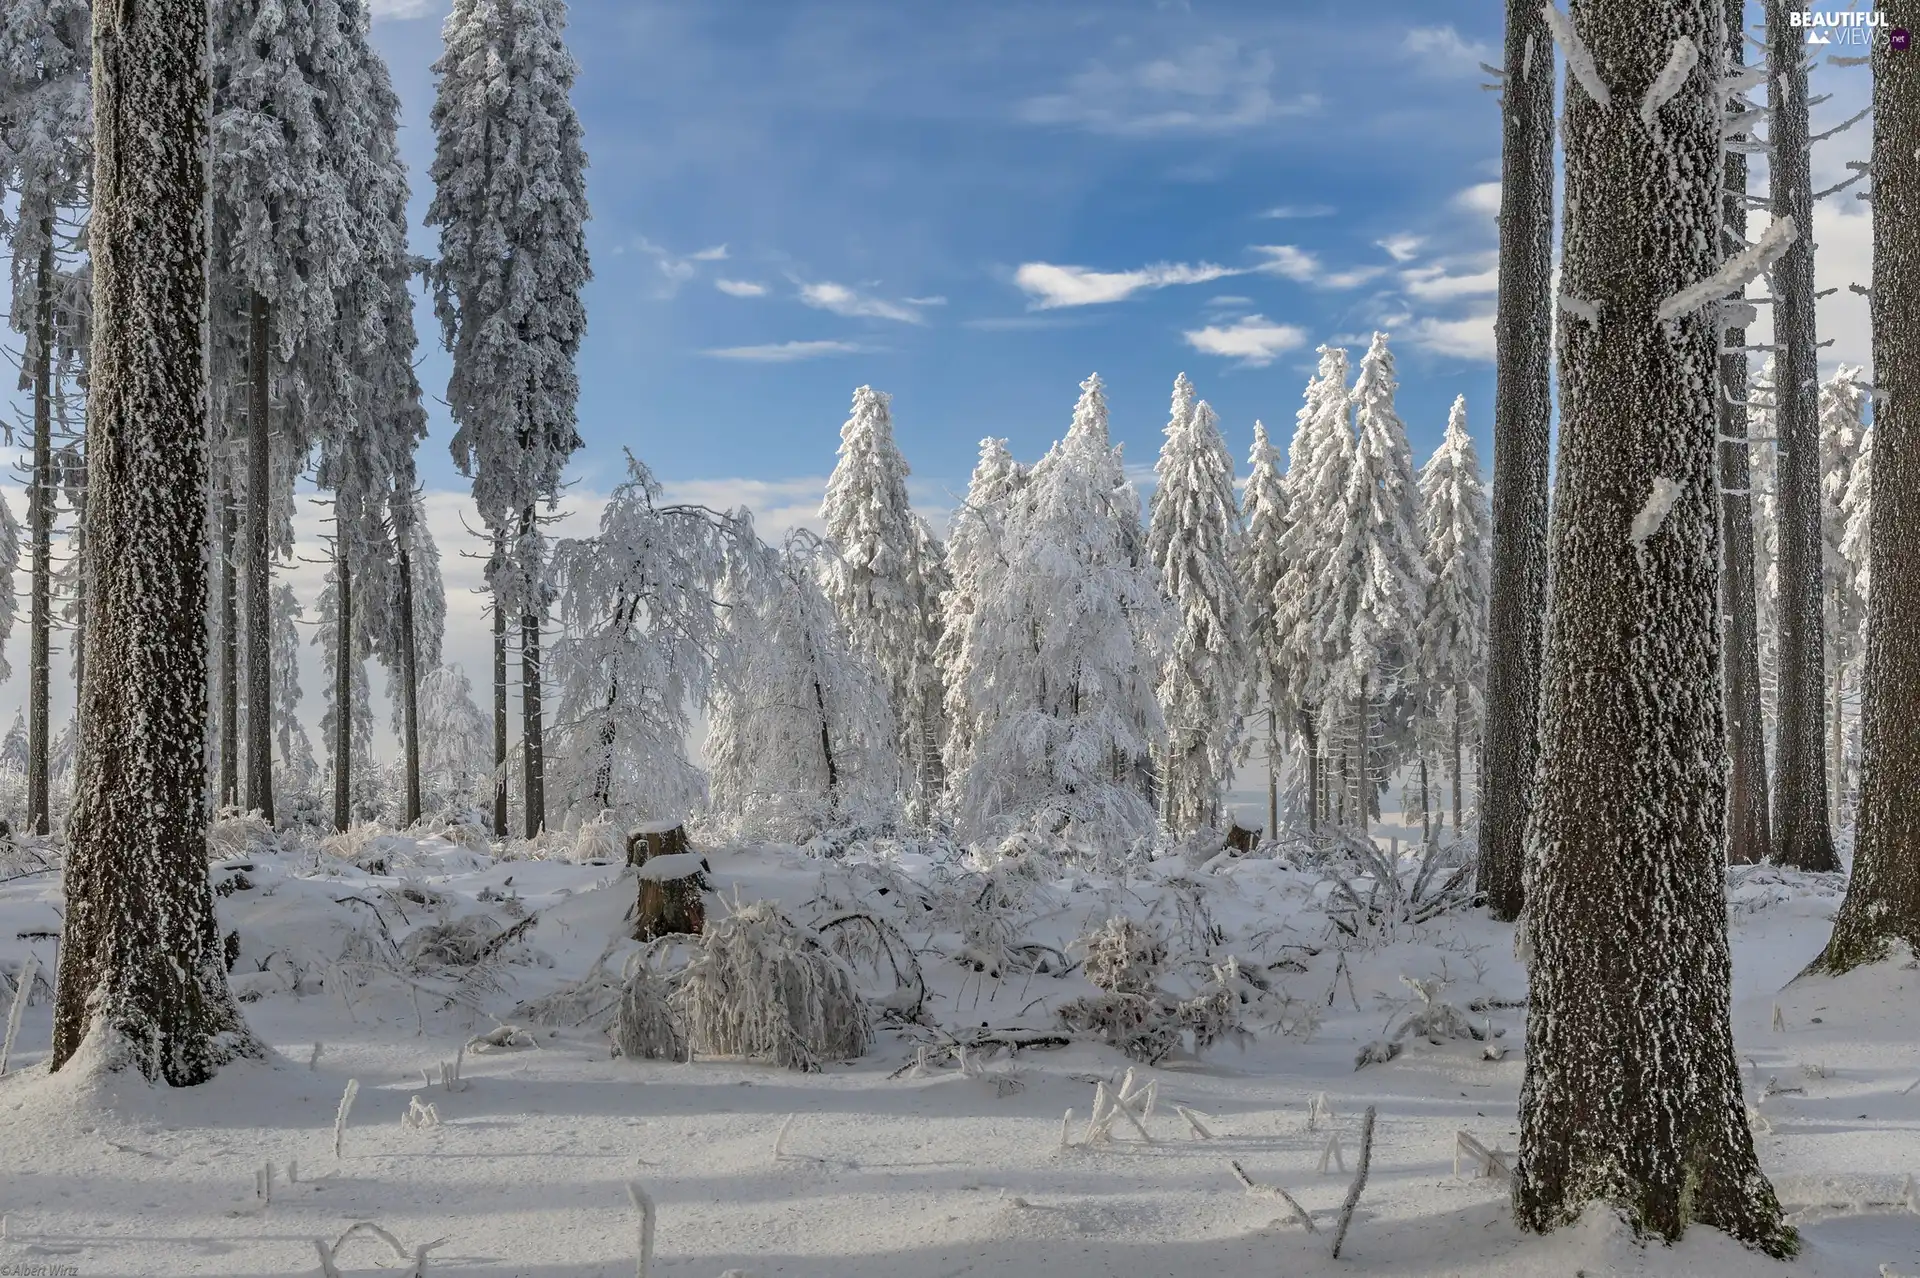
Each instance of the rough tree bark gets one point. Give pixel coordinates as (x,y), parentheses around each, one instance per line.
(409,675)
(343,659)
(1459,708)
(229,647)
(1521,412)
(499,718)
(1747,817)
(1801,836)
(259,558)
(142,979)
(534,772)
(1632,1090)
(40,525)
(1883,897)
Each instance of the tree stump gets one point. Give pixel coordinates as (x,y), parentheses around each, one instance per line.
(672,878)
(1241,839)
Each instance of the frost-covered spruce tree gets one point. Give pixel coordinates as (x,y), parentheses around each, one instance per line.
(638,633)
(1060,654)
(456,743)
(510,200)
(800,736)
(1632,1092)
(876,582)
(1263,512)
(46,161)
(1856,540)
(1456,536)
(1522,416)
(1748,840)
(1193,545)
(1883,895)
(1801,834)
(1762,441)
(1842,409)
(344,639)
(1308,614)
(297,772)
(411,643)
(1375,581)
(976,556)
(142,981)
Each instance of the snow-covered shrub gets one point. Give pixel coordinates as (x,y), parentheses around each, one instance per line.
(236,834)
(599,840)
(1142,1027)
(1124,957)
(1125,960)
(759,986)
(1372,896)
(644,1026)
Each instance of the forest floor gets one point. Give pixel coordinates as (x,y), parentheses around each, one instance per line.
(884,1168)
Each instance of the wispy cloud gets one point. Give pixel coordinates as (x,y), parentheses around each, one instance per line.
(399,9)
(1467,337)
(1300,210)
(1482,197)
(718,253)
(787,352)
(841,300)
(1212,88)
(1445,51)
(1254,341)
(741,288)
(1017,323)
(1050,285)
(1438,282)
(676,268)
(1289,262)
(1401,248)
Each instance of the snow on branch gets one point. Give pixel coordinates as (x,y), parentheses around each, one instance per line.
(1752,78)
(1843,126)
(1680,65)
(1579,60)
(1581,308)
(1735,273)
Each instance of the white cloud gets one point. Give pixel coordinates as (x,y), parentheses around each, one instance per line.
(1297,264)
(400,9)
(786,352)
(741,288)
(1437,283)
(718,253)
(1482,197)
(1050,285)
(1254,341)
(1401,248)
(1443,50)
(841,300)
(1467,337)
(1300,210)
(1211,88)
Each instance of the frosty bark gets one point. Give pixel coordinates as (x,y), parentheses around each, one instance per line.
(499,719)
(1273,771)
(142,976)
(1801,835)
(1632,1090)
(533,778)
(343,659)
(1883,897)
(1522,405)
(1459,708)
(1362,773)
(259,573)
(1747,817)
(409,674)
(229,650)
(40,521)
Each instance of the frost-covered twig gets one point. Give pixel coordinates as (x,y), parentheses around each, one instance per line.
(346,1108)
(1735,273)
(1492,1162)
(1066,1130)
(419,1115)
(1580,62)
(1318,1109)
(368,1229)
(1193,1121)
(1680,65)
(21,993)
(1359,1181)
(1330,1153)
(1293,1204)
(644,1205)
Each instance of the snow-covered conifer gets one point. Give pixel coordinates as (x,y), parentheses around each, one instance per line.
(297,771)
(1193,544)
(976,556)
(1856,538)
(1457,535)
(1842,419)
(456,741)
(1264,513)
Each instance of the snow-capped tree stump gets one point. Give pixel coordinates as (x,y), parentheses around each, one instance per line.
(672,878)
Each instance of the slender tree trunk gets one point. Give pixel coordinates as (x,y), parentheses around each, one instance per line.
(826,746)
(142,976)
(499,717)
(1632,1094)
(79,637)
(409,673)
(1310,736)
(1426,810)
(1883,896)
(1273,772)
(1801,836)
(1459,708)
(229,647)
(1748,841)
(1363,779)
(1837,749)
(343,658)
(259,552)
(40,523)
(1522,410)
(534,782)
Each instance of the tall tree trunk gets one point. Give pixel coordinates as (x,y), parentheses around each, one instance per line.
(1273,772)
(826,746)
(1837,748)
(343,658)
(1632,1091)
(142,974)
(1523,340)
(534,778)
(409,673)
(1310,737)
(1883,896)
(1363,777)
(229,646)
(499,717)
(1748,841)
(259,552)
(1459,708)
(1801,836)
(1426,809)
(40,523)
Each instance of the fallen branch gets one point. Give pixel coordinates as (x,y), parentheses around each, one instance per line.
(1359,1181)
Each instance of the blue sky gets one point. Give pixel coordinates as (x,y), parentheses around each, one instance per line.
(793,199)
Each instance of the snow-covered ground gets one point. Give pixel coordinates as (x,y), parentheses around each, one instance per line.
(926,1171)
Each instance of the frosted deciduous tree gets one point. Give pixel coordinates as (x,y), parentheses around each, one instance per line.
(455,757)
(976,557)
(1457,541)
(510,200)
(801,736)
(1801,835)
(1843,406)
(877,581)
(1522,413)
(1263,511)
(1632,1092)
(1059,658)
(142,981)
(1193,545)
(1883,895)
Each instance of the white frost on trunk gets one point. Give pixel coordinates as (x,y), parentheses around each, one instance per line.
(1579,61)
(1680,65)
(1735,273)
(1654,513)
